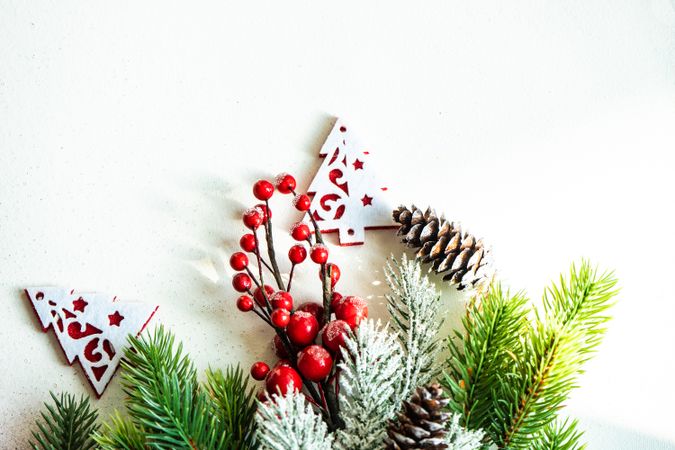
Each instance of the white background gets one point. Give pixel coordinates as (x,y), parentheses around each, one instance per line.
(130,133)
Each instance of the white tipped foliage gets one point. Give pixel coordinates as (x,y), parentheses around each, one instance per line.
(371,374)
(459,438)
(289,423)
(414,306)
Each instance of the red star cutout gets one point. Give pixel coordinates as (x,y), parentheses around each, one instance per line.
(79,304)
(358,165)
(115,319)
(367,200)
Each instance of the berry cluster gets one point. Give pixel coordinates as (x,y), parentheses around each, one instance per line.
(303,364)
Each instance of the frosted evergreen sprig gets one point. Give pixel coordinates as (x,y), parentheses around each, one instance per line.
(460,438)
(289,423)
(414,306)
(368,385)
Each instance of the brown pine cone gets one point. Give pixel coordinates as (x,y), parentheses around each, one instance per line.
(422,422)
(459,256)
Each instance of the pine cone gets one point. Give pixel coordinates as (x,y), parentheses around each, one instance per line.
(422,423)
(465,259)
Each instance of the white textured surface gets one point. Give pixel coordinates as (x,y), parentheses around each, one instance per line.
(130,133)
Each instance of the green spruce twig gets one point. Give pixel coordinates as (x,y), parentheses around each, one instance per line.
(67,424)
(560,435)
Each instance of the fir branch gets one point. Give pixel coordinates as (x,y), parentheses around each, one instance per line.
(236,403)
(414,309)
(369,381)
(494,328)
(121,434)
(566,333)
(68,424)
(289,423)
(459,438)
(560,435)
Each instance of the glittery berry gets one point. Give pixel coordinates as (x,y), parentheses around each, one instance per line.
(253,218)
(314,309)
(241,282)
(314,363)
(238,261)
(334,273)
(319,253)
(282,299)
(335,300)
(260,298)
(285,183)
(280,317)
(282,380)
(352,310)
(259,370)
(333,335)
(300,231)
(279,348)
(263,190)
(302,202)
(244,303)
(297,254)
(247,243)
(265,211)
(302,328)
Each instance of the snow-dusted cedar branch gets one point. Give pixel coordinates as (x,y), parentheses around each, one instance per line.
(459,438)
(371,374)
(289,423)
(414,306)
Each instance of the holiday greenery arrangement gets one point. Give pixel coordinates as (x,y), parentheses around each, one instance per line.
(346,381)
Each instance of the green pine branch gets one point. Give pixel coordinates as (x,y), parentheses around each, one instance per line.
(67,424)
(560,435)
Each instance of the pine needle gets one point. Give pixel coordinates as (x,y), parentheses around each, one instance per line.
(67,424)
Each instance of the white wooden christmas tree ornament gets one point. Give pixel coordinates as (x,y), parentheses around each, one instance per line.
(90,327)
(348,196)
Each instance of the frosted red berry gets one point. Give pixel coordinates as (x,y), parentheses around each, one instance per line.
(247,243)
(238,261)
(241,282)
(300,231)
(282,380)
(282,299)
(319,253)
(263,190)
(244,303)
(259,297)
(259,370)
(314,309)
(333,335)
(283,362)
(297,254)
(302,202)
(253,218)
(335,300)
(280,317)
(334,273)
(315,363)
(285,183)
(266,212)
(279,348)
(352,310)
(302,328)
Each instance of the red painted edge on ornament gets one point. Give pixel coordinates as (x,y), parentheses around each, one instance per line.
(77,358)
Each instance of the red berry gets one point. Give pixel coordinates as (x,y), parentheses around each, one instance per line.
(282,299)
(259,370)
(302,328)
(266,212)
(300,231)
(352,310)
(319,253)
(247,243)
(245,303)
(301,202)
(334,273)
(241,282)
(334,334)
(280,317)
(283,379)
(279,348)
(283,362)
(260,298)
(263,190)
(253,218)
(238,261)
(335,300)
(297,254)
(285,183)
(314,363)
(262,396)
(314,309)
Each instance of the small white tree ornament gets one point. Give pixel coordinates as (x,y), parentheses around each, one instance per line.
(348,196)
(90,327)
